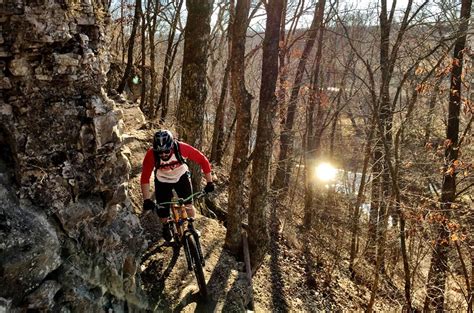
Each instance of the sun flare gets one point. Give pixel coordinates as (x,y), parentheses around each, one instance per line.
(325,172)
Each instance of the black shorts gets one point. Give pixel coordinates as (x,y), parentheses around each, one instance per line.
(164,193)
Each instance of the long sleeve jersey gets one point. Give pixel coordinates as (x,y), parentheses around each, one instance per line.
(171,170)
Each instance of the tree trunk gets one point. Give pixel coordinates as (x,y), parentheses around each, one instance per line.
(439,259)
(471,291)
(431,111)
(242,100)
(385,129)
(190,111)
(143,65)
(360,195)
(166,103)
(258,230)
(131,44)
(282,70)
(151,33)
(378,263)
(375,196)
(218,133)
(163,100)
(122,28)
(281,179)
(314,121)
(217,149)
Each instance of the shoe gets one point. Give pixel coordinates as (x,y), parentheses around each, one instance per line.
(167,232)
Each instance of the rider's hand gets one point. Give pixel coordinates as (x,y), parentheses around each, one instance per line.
(209,187)
(148,204)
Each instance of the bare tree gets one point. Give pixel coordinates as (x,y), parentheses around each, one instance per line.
(143,60)
(281,179)
(190,111)
(258,239)
(153,9)
(439,260)
(313,122)
(171,49)
(131,45)
(217,146)
(242,100)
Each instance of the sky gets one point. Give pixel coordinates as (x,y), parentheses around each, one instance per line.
(350,5)
(362,4)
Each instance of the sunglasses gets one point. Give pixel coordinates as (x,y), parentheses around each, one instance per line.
(164,151)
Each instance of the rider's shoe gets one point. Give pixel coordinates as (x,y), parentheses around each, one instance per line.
(167,232)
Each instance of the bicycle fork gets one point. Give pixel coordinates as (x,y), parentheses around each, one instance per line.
(187,251)
(198,245)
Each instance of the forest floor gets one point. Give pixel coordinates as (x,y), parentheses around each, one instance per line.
(289,280)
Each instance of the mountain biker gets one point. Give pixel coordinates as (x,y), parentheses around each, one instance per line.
(168,158)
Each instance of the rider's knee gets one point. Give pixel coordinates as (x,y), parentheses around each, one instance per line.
(163,212)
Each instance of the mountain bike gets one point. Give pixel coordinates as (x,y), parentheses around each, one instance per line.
(186,236)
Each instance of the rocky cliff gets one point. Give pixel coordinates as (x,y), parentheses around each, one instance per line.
(69,240)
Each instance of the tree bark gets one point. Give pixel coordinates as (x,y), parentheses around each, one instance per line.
(131,44)
(122,28)
(242,100)
(217,150)
(360,195)
(143,64)
(431,111)
(385,131)
(314,121)
(375,196)
(218,133)
(190,111)
(258,230)
(154,8)
(439,260)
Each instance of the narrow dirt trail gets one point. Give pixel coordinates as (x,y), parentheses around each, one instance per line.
(165,277)
(172,287)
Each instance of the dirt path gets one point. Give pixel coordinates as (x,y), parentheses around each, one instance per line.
(172,287)
(165,277)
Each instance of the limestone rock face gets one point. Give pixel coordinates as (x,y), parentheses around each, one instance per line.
(23,237)
(69,240)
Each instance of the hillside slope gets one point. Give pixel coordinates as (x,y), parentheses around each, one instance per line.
(282,283)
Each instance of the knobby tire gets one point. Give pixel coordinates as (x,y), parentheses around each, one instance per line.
(197,266)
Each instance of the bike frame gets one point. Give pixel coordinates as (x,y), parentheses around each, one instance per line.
(183,226)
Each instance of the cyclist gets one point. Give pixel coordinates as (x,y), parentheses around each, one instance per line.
(168,158)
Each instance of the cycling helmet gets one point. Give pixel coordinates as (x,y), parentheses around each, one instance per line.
(163,140)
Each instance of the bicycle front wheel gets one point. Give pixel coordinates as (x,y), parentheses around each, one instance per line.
(197,265)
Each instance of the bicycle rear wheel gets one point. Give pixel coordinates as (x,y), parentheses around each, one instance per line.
(197,265)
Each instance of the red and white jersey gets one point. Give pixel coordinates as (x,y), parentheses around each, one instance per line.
(171,170)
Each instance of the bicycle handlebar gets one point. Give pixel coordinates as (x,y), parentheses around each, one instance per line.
(196,195)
